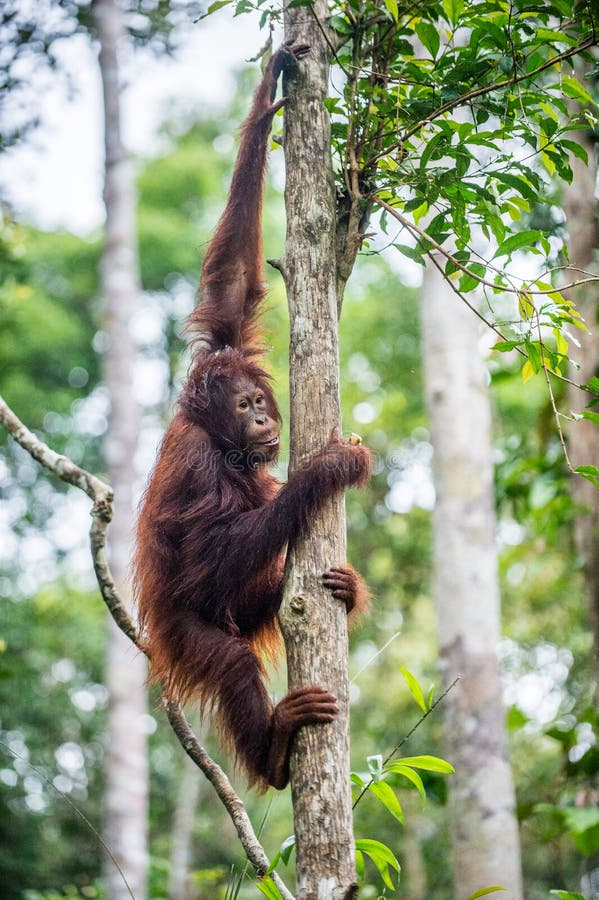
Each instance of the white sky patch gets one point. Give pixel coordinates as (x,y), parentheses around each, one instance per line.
(54,178)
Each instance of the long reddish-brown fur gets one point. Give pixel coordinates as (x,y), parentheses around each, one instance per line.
(214,523)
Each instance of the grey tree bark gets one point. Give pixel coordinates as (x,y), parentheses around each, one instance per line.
(126,764)
(314,624)
(580,207)
(485,835)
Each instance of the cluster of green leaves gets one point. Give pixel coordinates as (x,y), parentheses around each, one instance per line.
(448,110)
(51,698)
(454,119)
(48,282)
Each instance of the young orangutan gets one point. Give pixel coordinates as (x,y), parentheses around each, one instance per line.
(214,524)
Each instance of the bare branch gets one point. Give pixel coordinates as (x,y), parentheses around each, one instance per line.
(221,784)
(102,497)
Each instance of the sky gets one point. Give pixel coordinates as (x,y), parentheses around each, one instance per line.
(54,178)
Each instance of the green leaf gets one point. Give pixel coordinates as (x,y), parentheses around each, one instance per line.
(359,864)
(515,718)
(431,696)
(453,10)
(591,473)
(517,183)
(341,26)
(516,241)
(410,252)
(287,848)
(429,36)
(568,895)
(429,763)
(385,793)
(533,349)
(577,150)
(267,887)
(218,4)
(593,384)
(414,687)
(392,9)
(375,766)
(505,346)
(527,371)
(438,142)
(412,776)
(284,853)
(526,307)
(574,89)
(492,889)
(382,857)
(420,211)
(546,157)
(591,416)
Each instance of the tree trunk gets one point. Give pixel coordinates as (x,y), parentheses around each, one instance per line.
(126,752)
(580,207)
(482,804)
(179,887)
(314,624)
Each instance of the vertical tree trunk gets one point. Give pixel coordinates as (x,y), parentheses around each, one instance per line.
(126,753)
(179,887)
(580,207)
(314,624)
(484,828)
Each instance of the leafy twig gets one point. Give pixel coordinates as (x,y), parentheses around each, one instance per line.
(396,749)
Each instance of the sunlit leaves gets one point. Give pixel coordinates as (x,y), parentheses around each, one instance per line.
(428,763)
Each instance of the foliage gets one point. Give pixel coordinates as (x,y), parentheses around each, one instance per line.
(52,702)
(451,121)
(48,322)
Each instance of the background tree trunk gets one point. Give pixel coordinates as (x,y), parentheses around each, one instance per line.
(314,624)
(485,835)
(126,752)
(179,887)
(580,207)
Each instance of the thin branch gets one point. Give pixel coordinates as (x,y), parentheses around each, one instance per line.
(414,229)
(102,497)
(398,747)
(556,413)
(436,246)
(223,787)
